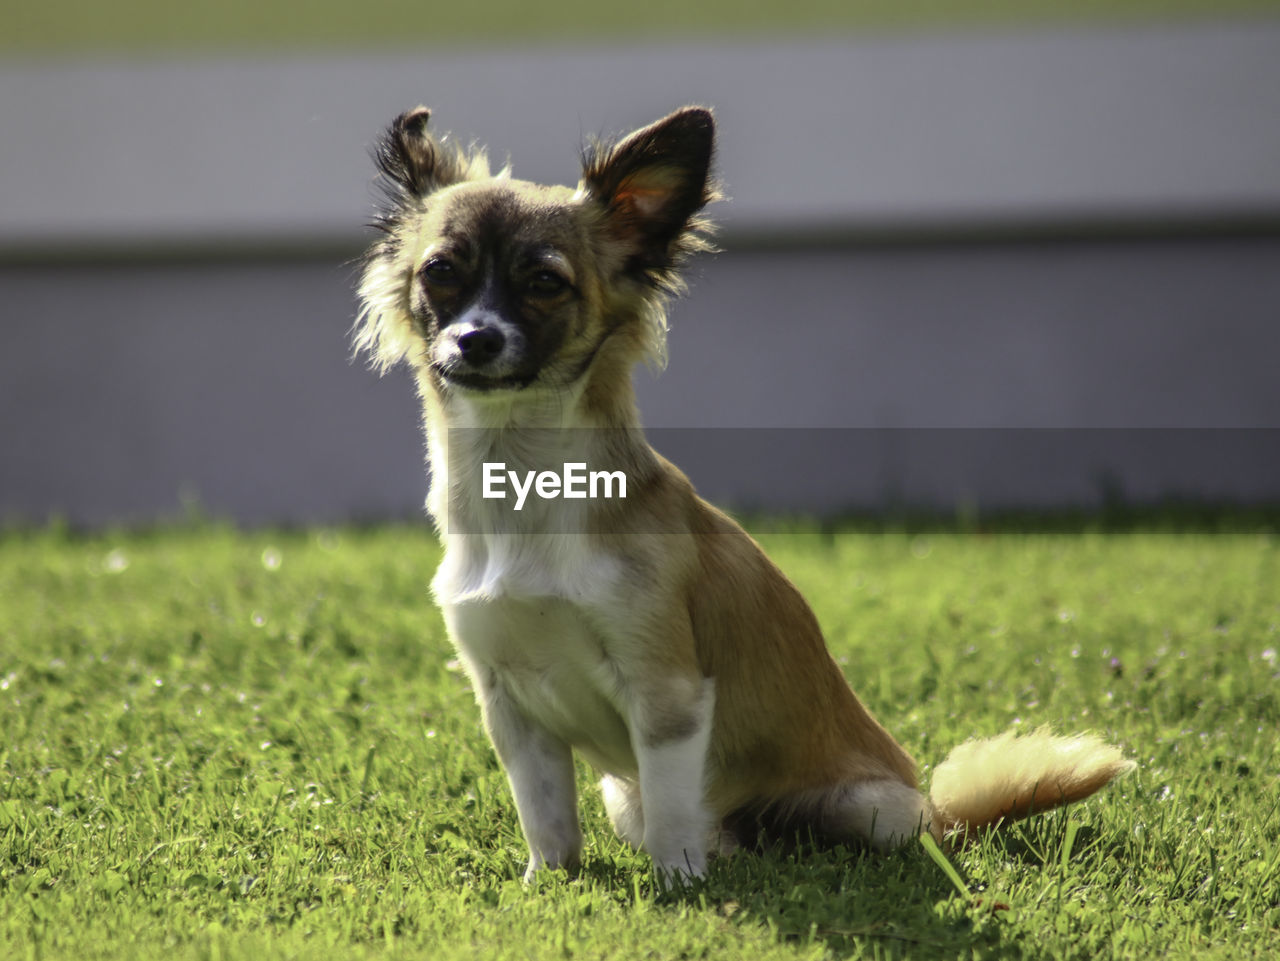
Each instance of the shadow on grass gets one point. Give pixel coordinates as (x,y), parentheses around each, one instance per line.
(1040,847)
(852,903)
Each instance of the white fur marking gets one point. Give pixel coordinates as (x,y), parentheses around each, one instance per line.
(677,823)
(622,804)
(886,813)
(539,768)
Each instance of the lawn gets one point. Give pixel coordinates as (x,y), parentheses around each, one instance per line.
(220,744)
(159,27)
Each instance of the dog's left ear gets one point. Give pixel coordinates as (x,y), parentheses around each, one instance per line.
(652,185)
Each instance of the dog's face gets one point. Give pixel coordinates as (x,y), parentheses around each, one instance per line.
(490,284)
(506,292)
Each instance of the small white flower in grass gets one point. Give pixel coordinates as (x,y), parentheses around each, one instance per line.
(1269,655)
(115,562)
(272,559)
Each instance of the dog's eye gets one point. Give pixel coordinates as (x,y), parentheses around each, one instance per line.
(440,273)
(546,283)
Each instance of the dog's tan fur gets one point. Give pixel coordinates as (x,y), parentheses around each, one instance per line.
(652,634)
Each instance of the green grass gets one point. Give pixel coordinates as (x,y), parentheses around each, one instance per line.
(254,745)
(164,28)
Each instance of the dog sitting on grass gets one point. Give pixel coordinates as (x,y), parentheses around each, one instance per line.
(646,631)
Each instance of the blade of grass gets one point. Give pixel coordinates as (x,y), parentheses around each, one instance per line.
(1068,843)
(940,859)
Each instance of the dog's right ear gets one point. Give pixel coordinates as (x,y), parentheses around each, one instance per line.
(414,163)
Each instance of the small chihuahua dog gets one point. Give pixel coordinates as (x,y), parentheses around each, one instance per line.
(647,631)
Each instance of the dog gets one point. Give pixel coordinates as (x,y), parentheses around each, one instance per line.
(648,631)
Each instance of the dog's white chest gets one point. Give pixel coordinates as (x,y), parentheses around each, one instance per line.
(554,666)
(520,611)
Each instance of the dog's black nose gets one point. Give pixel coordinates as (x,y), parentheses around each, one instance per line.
(481,345)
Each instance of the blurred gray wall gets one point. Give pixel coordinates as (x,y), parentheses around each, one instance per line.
(989,270)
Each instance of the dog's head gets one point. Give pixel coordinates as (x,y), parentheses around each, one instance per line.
(485,283)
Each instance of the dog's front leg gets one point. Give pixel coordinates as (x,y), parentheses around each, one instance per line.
(539,767)
(671,734)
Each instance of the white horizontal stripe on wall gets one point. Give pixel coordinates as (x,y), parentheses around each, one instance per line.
(891,132)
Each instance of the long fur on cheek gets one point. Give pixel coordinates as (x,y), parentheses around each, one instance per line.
(384,330)
(412,166)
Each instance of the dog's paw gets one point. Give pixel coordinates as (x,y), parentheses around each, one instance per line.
(569,863)
(681,870)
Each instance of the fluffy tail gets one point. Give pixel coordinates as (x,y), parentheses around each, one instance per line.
(1010,777)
